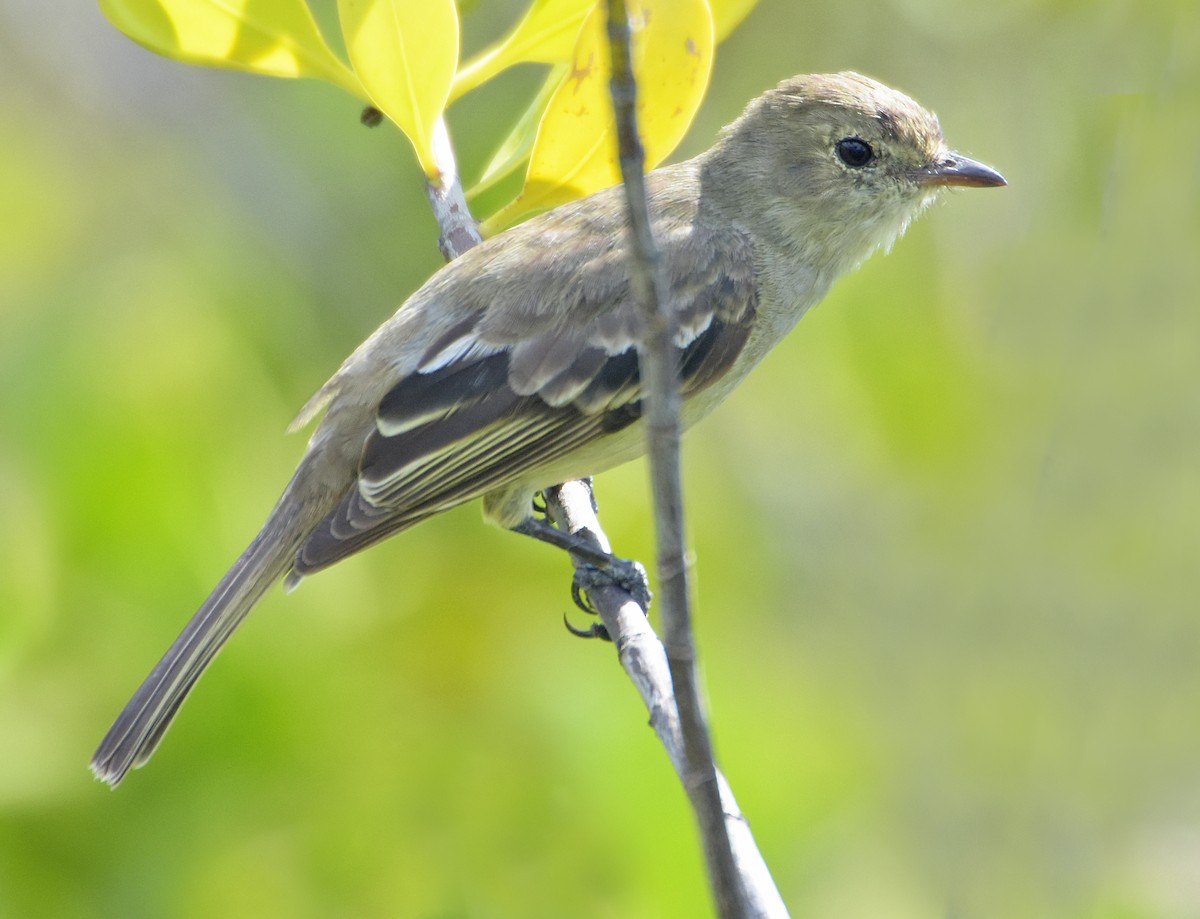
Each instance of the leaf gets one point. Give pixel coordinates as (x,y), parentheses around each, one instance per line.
(405,53)
(516,147)
(728,15)
(274,37)
(575,151)
(546,34)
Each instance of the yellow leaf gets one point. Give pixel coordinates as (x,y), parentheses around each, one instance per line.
(405,53)
(546,35)
(575,151)
(274,37)
(728,15)
(547,32)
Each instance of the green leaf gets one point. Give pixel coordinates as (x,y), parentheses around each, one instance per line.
(405,53)
(516,147)
(575,151)
(274,37)
(546,35)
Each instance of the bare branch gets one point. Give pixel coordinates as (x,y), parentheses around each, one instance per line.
(710,795)
(458,231)
(641,654)
(661,403)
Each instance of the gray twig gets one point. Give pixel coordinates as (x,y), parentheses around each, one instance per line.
(572,507)
(644,659)
(458,231)
(711,798)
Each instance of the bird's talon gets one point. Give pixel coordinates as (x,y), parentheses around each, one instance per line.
(595,630)
(582,600)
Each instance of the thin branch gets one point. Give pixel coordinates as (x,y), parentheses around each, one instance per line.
(458,231)
(572,507)
(644,659)
(661,410)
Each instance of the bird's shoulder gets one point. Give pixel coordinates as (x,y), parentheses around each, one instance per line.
(565,276)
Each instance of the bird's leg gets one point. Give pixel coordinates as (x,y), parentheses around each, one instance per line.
(599,566)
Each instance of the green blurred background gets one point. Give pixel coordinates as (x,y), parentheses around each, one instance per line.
(946,534)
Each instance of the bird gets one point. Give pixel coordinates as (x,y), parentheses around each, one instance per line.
(515,366)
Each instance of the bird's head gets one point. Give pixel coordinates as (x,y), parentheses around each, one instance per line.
(834,166)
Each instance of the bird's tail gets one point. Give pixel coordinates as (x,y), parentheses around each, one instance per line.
(141,725)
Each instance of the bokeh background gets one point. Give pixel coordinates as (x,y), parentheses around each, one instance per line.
(947,534)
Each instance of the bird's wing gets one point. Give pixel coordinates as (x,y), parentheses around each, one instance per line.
(514,387)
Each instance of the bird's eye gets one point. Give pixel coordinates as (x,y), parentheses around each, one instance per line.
(854,152)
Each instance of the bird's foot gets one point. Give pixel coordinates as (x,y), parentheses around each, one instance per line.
(628,575)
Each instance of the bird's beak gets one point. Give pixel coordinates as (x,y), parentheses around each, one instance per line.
(953,169)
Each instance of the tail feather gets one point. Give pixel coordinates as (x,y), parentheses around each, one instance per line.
(141,725)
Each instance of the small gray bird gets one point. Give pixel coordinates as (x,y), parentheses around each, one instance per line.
(515,367)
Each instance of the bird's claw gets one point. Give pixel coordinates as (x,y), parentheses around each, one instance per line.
(595,630)
(582,600)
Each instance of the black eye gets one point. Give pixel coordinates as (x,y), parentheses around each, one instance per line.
(854,152)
